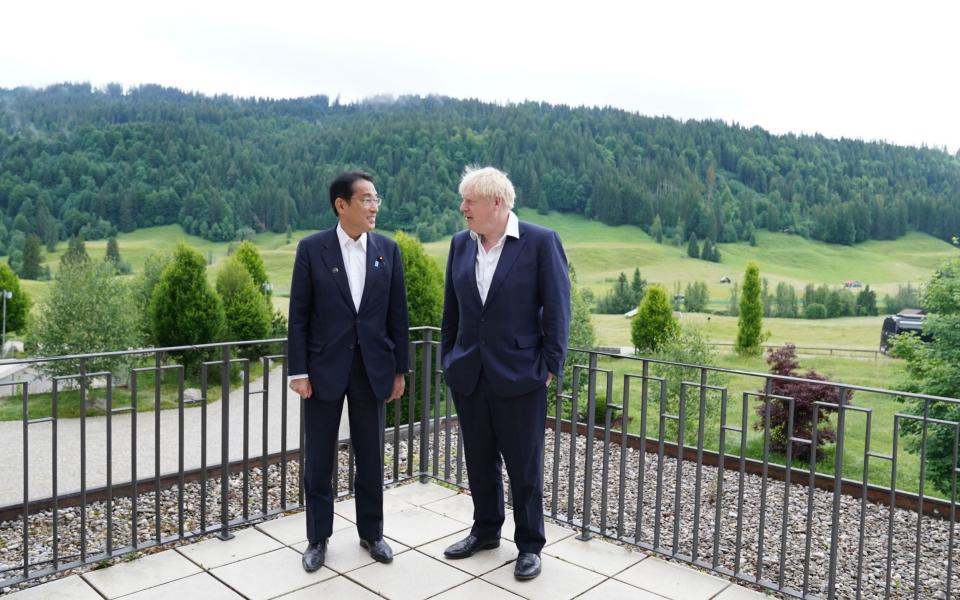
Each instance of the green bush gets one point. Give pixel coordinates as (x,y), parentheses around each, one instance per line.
(815,311)
(654,324)
(184,310)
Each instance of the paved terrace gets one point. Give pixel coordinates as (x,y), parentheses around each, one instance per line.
(422,519)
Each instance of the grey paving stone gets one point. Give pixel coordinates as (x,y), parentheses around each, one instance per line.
(597,555)
(416,526)
(216,552)
(612,589)
(149,571)
(68,588)
(420,493)
(411,576)
(201,585)
(672,580)
(269,575)
(477,589)
(558,581)
(338,588)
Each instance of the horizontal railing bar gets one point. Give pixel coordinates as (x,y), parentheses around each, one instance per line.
(771,376)
(933,507)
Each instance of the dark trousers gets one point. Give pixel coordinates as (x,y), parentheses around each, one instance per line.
(513,427)
(321,425)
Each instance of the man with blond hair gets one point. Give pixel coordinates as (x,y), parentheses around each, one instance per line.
(506,320)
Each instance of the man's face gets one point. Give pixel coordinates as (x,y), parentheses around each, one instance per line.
(359,215)
(481,213)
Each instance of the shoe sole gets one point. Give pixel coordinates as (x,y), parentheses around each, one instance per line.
(485,546)
(378,558)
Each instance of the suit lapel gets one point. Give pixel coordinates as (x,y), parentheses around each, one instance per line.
(509,254)
(333,262)
(371,279)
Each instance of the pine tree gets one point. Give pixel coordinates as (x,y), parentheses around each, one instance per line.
(249,257)
(76,252)
(656,230)
(693,249)
(654,324)
(184,309)
(750,323)
(32,261)
(636,286)
(246,312)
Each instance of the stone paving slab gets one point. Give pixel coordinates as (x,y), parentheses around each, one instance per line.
(264,562)
(140,574)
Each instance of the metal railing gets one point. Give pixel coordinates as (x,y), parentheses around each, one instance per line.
(677,460)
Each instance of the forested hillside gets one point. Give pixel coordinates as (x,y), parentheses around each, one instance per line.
(80,161)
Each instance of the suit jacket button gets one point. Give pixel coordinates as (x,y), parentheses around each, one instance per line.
(350,347)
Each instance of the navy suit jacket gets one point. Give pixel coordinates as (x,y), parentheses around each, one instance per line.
(520,333)
(324,325)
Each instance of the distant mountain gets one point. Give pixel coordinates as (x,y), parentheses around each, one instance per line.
(77,160)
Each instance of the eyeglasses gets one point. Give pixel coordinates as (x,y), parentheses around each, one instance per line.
(370,201)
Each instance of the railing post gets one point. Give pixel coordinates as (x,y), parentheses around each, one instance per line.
(425,362)
(224,533)
(588,468)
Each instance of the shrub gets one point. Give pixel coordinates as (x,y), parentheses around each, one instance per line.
(654,324)
(783,361)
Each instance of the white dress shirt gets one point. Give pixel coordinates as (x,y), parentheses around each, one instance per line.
(355,262)
(487,260)
(354,254)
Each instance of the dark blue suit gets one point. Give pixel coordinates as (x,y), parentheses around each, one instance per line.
(496,356)
(345,351)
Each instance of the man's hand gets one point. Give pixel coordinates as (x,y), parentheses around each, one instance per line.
(549,379)
(302,387)
(399,384)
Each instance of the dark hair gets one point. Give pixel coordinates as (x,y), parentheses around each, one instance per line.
(342,186)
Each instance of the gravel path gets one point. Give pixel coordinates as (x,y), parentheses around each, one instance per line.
(932,550)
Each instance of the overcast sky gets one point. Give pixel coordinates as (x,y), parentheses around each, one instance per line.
(870,70)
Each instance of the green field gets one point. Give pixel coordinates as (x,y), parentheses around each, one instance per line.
(848,332)
(600,252)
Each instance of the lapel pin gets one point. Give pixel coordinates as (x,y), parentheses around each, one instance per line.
(334,270)
(378,262)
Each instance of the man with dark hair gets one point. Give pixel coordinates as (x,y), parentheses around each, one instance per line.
(347,337)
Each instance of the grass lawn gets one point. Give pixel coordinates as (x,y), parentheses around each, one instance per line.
(848,332)
(600,252)
(883,373)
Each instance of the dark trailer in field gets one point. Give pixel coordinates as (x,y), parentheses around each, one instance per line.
(908,319)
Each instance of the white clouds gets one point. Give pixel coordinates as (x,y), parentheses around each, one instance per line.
(856,69)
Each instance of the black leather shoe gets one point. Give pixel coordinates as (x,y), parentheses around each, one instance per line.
(528,566)
(379,550)
(313,556)
(468,546)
